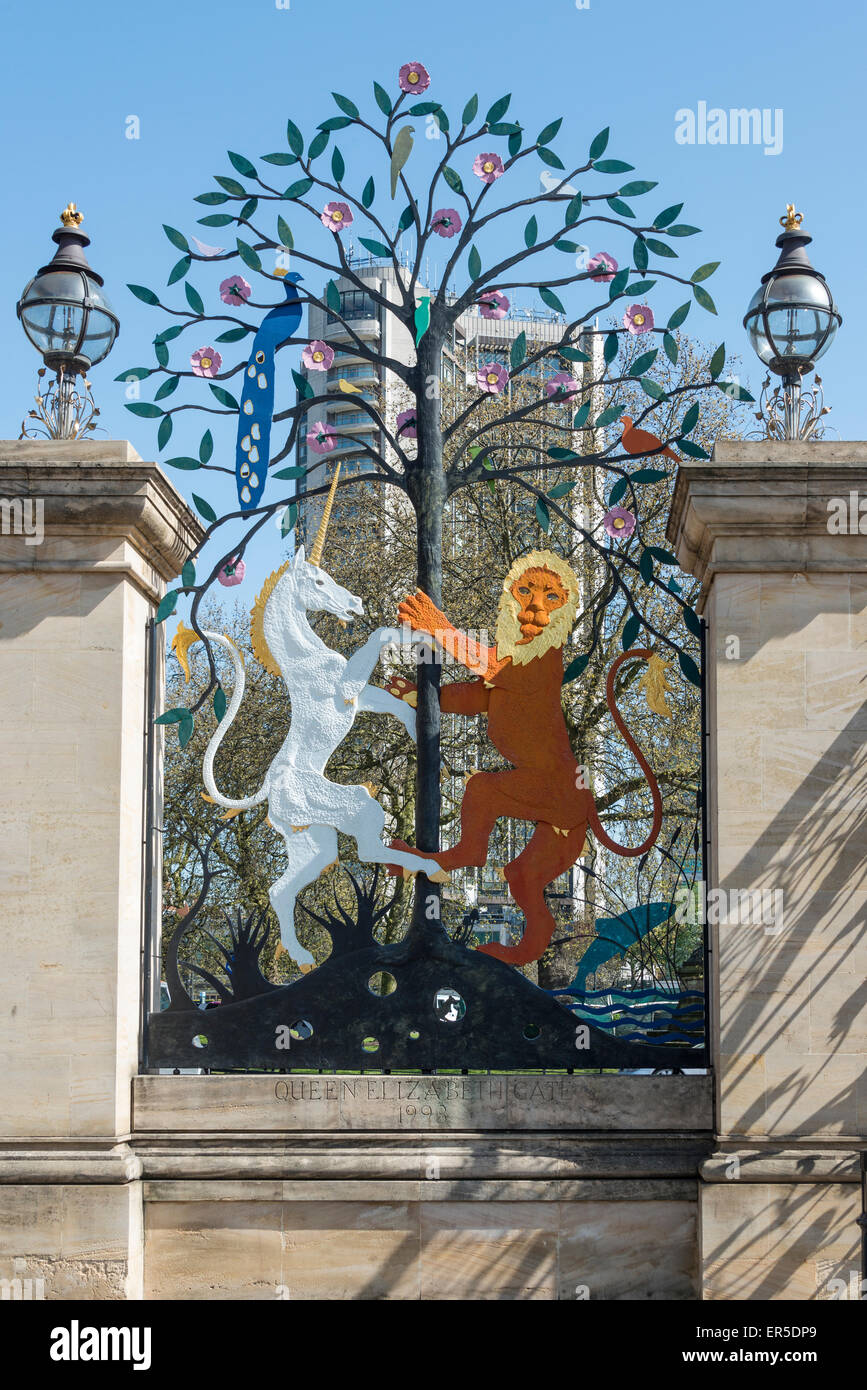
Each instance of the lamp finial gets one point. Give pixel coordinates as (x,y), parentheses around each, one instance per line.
(70,217)
(792,220)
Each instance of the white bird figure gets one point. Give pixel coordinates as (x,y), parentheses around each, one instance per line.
(551,184)
(327,690)
(205,250)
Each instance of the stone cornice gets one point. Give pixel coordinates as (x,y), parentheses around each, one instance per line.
(94,493)
(760,506)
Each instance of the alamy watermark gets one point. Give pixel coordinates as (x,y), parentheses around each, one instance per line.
(23,516)
(732,907)
(738,126)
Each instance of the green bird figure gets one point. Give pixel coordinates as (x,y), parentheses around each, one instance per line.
(422,318)
(402,151)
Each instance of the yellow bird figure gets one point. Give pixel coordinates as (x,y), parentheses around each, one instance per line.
(403,142)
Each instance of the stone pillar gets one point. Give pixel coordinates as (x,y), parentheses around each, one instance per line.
(73,611)
(785,597)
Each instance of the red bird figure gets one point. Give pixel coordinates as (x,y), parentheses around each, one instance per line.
(642,441)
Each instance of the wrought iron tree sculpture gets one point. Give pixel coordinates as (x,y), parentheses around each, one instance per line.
(500,241)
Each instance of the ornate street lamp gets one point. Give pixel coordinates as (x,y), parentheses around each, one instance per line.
(68,318)
(791,322)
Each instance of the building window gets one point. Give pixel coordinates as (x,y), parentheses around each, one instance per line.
(355,304)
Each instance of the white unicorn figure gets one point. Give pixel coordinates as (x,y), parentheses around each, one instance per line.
(327,691)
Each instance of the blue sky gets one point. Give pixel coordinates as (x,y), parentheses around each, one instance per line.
(206,78)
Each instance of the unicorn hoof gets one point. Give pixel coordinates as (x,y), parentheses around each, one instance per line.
(307,967)
(441,876)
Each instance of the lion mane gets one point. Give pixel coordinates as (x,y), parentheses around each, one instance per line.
(556,634)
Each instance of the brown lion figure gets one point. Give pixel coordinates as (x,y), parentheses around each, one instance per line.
(518,686)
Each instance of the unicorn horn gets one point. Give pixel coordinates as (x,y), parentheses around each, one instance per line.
(316,549)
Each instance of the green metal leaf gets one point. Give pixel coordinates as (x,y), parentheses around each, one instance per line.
(347,107)
(470,111)
(703,298)
(290,516)
(332,123)
(376,248)
(219,703)
(317,145)
(188,575)
(569,246)
(474,264)
(284,232)
(169,385)
(194,299)
(610,347)
(643,363)
(717,362)
(670,346)
(622,209)
(514,147)
(204,508)
(145,410)
(369,193)
(176,238)
(664,557)
(518,351)
(599,143)
(641,286)
(549,157)
(548,134)
(242,164)
(581,416)
(305,390)
(652,389)
(296,471)
(704,272)
(332,297)
(145,295)
(661,248)
(737,393)
(690,420)
(618,284)
(164,432)
(563,455)
(187,464)
(663,218)
(631,629)
(549,297)
(639,254)
(224,397)
(498,110)
(167,334)
(635,188)
(693,451)
(232,186)
(453,179)
(617,491)
(171,716)
(425,108)
(383,100)
(573,211)
(216,219)
(689,668)
(185,728)
(206,446)
(692,621)
(576,668)
(298,189)
(161,352)
(531,233)
(648,475)
(609,416)
(682,229)
(248,210)
(338,165)
(233,335)
(543,516)
(645,566)
(135,373)
(248,255)
(280,158)
(165,610)
(562,489)
(294,139)
(678,316)
(574,354)
(612,166)
(211,200)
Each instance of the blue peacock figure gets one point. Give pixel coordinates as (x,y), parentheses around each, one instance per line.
(257,401)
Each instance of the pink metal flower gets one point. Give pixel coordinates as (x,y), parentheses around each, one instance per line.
(336,216)
(638,318)
(320,439)
(563,386)
(492,377)
(602,266)
(206,361)
(488,167)
(446,222)
(618,522)
(232,572)
(407,424)
(235,290)
(317,356)
(413,77)
(493,305)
